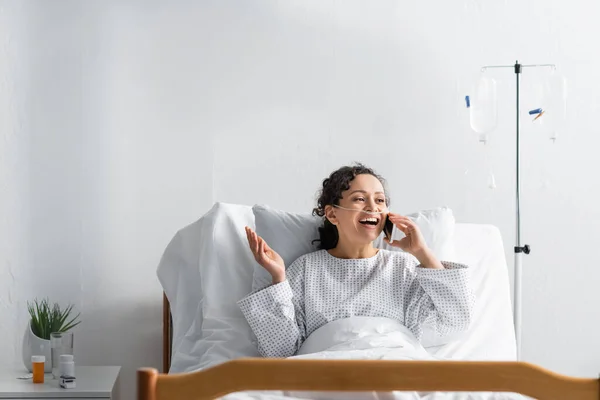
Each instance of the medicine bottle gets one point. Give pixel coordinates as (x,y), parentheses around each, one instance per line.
(37,367)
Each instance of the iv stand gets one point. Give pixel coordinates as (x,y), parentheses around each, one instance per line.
(519,249)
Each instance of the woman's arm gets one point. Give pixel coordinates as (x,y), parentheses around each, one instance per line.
(428,259)
(276,314)
(442,296)
(433,290)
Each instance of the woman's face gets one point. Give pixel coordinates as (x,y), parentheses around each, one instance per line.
(365,194)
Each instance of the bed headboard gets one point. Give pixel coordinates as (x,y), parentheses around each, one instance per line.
(167,340)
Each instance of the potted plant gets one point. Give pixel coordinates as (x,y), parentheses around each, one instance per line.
(45,319)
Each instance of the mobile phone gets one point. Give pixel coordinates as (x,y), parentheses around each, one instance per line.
(388,226)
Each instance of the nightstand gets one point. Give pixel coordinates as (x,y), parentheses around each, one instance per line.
(92,383)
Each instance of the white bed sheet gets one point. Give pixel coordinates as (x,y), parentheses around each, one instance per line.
(365,338)
(491,336)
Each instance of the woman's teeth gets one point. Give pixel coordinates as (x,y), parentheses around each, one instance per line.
(369,221)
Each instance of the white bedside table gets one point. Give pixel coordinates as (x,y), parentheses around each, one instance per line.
(92,383)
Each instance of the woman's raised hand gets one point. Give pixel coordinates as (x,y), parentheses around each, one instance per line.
(266,257)
(413,243)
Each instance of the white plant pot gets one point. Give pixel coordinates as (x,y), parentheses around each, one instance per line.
(35,346)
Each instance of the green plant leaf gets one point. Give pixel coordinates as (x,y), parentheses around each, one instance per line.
(34,324)
(39,316)
(70,325)
(46,319)
(64,315)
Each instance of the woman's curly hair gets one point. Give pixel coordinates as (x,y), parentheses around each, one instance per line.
(331,193)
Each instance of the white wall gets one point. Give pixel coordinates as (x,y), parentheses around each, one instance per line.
(121,122)
(15,212)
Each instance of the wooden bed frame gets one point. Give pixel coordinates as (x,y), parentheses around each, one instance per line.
(354,375)
(167,340)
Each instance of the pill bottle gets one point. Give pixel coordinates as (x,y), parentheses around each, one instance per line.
(67,365)
(37,367)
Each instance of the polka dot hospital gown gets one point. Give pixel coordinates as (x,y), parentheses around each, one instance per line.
(321,288)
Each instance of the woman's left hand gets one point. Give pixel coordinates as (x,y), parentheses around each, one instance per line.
(413,243)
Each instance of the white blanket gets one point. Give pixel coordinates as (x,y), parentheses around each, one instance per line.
(365,338)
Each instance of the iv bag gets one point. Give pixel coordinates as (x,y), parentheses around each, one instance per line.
(554,105)
(484,110)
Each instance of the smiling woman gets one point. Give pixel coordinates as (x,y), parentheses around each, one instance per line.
(355,189)
(349,277)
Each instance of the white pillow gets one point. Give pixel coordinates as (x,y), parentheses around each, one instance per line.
(205,270)
(291,235)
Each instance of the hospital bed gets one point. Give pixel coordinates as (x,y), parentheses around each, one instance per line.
(209,356)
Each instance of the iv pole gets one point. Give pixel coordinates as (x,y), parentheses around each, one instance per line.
(519,248)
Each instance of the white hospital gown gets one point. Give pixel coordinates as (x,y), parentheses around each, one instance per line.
(321,288)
